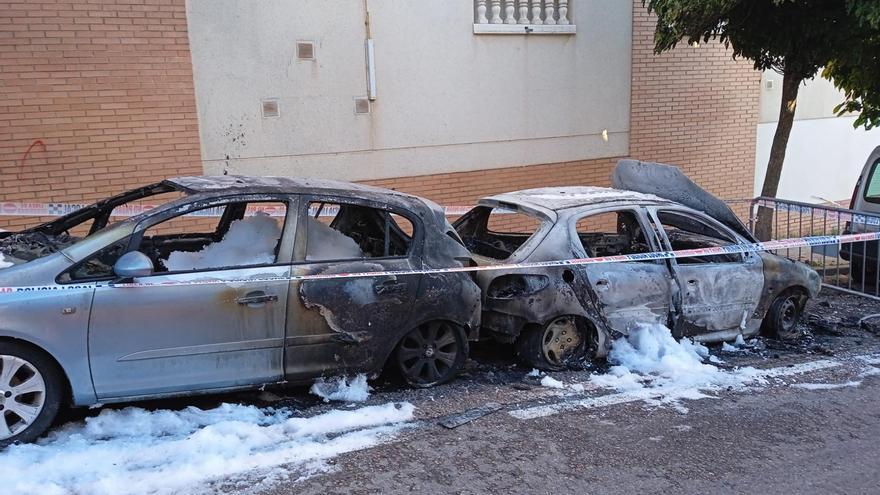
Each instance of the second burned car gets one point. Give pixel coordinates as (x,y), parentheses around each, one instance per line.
(560,315)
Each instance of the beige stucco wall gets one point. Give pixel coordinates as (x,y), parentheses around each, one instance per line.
(448,100)
(825,154)
(816,98)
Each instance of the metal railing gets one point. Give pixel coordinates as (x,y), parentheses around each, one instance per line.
(848,267)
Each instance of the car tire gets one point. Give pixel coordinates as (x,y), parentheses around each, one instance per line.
(781,320)
(432,353)
(856,268)
(31,392)
(554,346)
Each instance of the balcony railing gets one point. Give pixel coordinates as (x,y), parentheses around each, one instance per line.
(523,17)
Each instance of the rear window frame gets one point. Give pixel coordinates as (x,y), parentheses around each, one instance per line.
(547,223)
(871,175)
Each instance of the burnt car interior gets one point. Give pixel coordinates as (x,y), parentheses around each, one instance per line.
(186,236)
(352,231)
(611,234)
(686,232)
(50,237)
(193,234)
(496,232)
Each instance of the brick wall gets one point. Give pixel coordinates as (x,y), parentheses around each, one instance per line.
(106,85)
(694,107)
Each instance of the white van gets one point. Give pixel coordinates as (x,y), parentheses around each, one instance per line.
(863,256)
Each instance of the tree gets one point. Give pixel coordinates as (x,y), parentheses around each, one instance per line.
(795,38)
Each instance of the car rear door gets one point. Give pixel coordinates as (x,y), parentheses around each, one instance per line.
(178,334)
(628,293)
(349,324)
(718,292)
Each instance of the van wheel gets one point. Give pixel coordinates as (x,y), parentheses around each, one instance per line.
(30,393)
(432,353)
(556,345)
(855,273)
(781,321)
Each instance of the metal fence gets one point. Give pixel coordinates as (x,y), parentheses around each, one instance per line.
(848,267)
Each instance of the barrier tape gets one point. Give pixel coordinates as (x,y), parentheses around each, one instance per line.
(795,242)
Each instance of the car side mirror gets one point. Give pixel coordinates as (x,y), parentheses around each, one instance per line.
(133,264)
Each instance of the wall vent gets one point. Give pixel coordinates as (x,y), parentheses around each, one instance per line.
(305,50)
(270,108)
(361,106)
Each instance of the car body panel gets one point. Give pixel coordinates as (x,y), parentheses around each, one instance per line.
(182,337)
(651,289)
(714,296)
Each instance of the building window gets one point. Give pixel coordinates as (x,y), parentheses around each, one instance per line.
(523,17)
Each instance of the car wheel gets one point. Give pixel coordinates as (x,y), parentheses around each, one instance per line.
(856,268)
(30,393)
(782,318)
(432,353)
(554,346)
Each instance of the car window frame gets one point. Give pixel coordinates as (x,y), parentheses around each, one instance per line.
(871,174)
(641,217)
(180,207)
(549,220)
(301,234)
(738,240)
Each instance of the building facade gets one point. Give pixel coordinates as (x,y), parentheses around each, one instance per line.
(449,99)
(825,154)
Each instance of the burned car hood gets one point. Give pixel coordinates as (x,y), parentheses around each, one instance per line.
(668,182)
(17,248)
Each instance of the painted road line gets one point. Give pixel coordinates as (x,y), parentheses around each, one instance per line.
(647,394)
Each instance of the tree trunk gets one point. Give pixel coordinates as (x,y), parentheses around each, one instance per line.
(790,85)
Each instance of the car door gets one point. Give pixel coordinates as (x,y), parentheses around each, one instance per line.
(628,293)
(349,324)
(176,335)
(718,292)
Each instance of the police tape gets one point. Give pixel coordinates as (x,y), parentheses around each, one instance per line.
(781,244)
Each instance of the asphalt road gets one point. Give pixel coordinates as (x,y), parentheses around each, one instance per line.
(781,438)
(782,441)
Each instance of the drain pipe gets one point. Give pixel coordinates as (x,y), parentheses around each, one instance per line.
(370,59)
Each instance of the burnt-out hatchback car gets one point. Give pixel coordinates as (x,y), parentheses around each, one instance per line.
(213,301)
(560,315)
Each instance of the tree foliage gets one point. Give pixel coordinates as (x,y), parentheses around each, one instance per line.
(793,37)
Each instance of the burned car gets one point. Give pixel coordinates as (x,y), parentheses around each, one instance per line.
(560,315)
(201,294)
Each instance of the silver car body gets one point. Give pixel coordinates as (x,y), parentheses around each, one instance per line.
(706,300)
(124,343)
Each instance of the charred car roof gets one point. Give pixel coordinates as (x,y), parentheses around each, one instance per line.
(235,184)
(561,198)
(249,184)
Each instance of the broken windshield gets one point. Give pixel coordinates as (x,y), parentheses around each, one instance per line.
(53,236)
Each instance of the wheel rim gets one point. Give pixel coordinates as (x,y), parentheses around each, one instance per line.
(788,314)
(561,341)
(22,395)
(428,353)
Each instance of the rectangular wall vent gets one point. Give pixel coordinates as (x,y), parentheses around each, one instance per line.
(361,106)
(270,108)
(305,50)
